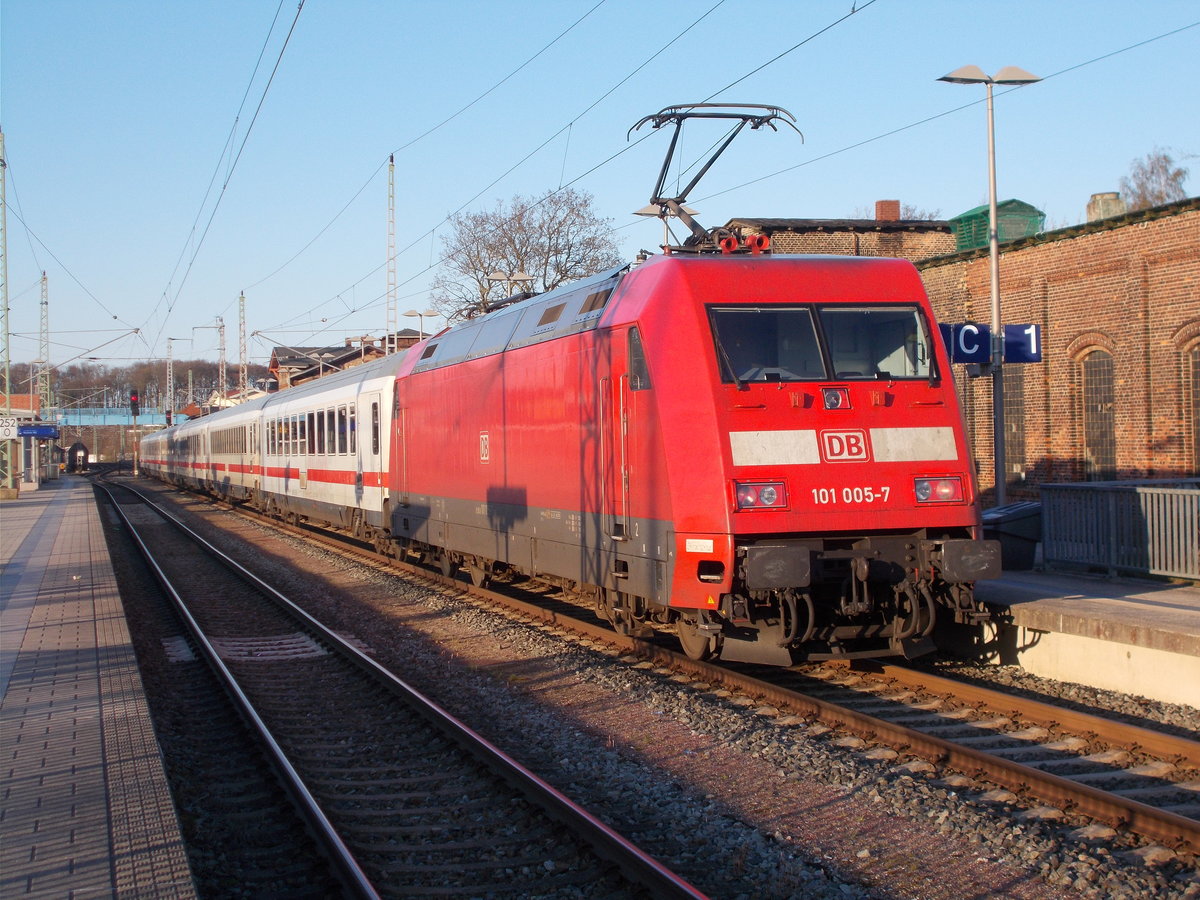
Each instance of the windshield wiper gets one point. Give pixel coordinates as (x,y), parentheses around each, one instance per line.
(725,358)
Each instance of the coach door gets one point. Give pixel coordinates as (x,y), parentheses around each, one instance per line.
(368,480)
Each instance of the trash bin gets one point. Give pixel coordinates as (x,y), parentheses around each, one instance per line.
(1018,528)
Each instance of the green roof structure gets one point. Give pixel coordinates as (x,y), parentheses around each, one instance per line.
(1015,219)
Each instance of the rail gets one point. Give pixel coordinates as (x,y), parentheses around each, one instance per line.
(1147,527)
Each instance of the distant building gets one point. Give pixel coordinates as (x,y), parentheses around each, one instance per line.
(290,366)
(23,406)
(885,235)
(1117,395)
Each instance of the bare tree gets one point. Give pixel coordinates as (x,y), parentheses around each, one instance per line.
(1153,181)
(556,238)
(908,213)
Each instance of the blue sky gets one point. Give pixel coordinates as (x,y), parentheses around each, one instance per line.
(118,116)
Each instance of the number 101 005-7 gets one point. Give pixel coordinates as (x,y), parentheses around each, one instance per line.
(825,496)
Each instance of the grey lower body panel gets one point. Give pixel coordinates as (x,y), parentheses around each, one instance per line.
(541,541)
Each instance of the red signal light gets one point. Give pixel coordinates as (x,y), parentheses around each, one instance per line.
(938,490)
(760,495)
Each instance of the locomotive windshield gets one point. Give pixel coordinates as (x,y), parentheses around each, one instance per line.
(805,343)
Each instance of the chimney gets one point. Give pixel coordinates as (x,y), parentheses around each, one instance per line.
(887,210)
(1105,206)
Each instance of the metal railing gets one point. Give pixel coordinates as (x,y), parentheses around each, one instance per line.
(1148,527)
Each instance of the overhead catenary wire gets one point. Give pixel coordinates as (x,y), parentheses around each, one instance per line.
(945,113)
(232,167)
(527,156)
(225,149)
(450,118)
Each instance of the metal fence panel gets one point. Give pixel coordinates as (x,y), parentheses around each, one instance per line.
(1140,527)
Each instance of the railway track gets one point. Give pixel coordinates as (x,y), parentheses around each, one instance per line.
(1059,762)
(404,799)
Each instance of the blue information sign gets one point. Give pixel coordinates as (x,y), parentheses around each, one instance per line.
(1022,343)
(37,431)
(971,342)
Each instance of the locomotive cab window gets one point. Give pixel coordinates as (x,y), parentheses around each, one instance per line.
(801,343)
(772,343)
(882,342)
(639,372)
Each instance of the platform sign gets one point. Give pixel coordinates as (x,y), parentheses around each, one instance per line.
(37,431)
(8,428)
(1022,343)
(970,342)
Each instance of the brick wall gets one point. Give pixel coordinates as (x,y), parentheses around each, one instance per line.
(904,244)
(1129,287)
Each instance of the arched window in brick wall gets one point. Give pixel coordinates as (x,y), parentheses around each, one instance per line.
(1099,433)
(1192,394)
(1014,425)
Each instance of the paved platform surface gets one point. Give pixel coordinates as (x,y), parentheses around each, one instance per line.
(1127,611)
(84,806)
(1128,635)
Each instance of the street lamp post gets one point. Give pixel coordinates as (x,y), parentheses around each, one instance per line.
(420,316)
(1007,75)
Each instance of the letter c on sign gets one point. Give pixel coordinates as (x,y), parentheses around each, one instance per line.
(968,348)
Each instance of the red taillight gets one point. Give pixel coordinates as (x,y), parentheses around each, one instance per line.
(938,490)
(761,495)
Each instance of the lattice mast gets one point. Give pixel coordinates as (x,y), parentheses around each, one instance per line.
(389,340)
(45,395)
(170,410)
(4,280)
(222,378)
(243,373)
(7,448)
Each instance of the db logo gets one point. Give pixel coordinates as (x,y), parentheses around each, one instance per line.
(485,447)
(844,446)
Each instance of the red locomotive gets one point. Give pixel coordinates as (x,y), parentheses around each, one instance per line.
(766,452)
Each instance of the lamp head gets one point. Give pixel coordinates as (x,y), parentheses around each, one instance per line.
(967,75)
(1014,75)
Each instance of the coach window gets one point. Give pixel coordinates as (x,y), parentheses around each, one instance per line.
(330,432)
(341,430)
(375,428)
(319,432)
(639,374)
(312,433)
(302,436)
(353,431)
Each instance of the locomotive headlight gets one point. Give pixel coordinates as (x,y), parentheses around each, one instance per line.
(938,490)
(835,398)
(760,495)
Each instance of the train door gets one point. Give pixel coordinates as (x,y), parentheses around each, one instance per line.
(614,456)
(369,431)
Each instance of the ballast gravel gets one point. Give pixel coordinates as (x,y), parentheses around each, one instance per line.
(744,803)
